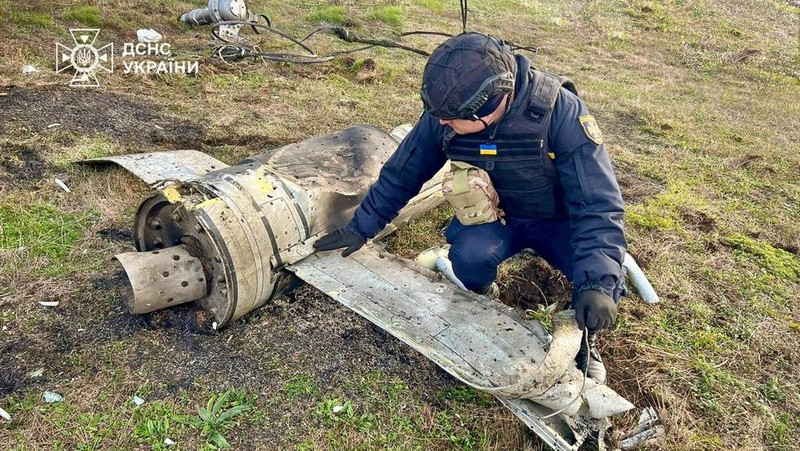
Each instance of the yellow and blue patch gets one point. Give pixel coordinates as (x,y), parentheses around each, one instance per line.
(488,149)
(591,129)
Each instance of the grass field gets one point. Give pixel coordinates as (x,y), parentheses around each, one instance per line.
(699,104)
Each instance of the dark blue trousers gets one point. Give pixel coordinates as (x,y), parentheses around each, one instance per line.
(477,250)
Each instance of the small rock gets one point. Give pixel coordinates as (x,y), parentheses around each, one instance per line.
(168,442)
(51,397)
(28,69)
(337,409)
(138,401)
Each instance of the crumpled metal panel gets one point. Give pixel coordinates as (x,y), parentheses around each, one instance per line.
(481,342)
(157,167)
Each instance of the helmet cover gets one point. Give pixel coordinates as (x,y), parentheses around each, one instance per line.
(464,72)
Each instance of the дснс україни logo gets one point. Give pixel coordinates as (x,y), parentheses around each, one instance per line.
(84,58)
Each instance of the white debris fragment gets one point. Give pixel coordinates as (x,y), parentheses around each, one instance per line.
(51,397)
(645,432)
(148,35)
(168,442)
(138,401)
(36,374)
(28,69)
(337,409)
(49,303)
(5,328)
(4,415)
(63,186)
(214,325)
(54,125)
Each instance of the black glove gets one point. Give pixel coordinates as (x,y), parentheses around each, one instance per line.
(340,238)
(595,310)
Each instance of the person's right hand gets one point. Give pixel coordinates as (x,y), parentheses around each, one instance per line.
(338,239)
(595,310)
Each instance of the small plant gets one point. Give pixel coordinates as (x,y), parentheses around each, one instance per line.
(299,386)
(543,314)
(217,417)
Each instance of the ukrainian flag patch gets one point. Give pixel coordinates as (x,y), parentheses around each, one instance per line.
(488,149)
(591,129)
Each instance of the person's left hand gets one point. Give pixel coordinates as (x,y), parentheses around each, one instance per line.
(337,239)
(595,310)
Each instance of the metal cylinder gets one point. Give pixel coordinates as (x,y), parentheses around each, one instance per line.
(216,11)
(161,278)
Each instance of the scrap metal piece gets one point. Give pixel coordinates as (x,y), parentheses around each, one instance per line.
(482,343)
(221,11)
(645,431)
(159,167)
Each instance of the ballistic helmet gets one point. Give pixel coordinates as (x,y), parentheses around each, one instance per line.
(466,75)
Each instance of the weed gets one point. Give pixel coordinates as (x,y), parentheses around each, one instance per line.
(155,422)
(301,385)
(218,416)
(772,390)
(87,15)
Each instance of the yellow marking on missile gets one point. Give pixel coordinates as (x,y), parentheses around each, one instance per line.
(208,203)
(172,194)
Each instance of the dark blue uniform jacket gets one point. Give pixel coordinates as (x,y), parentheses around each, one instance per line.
(594,202)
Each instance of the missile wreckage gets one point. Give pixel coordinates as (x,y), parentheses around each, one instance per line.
(231,238)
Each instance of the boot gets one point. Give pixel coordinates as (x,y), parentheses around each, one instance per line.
(589,360)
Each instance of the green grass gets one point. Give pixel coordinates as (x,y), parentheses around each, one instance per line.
(31,18)
(84,14)
(390,15)
(42,229)
(301,385)
(329,14)
(776,261)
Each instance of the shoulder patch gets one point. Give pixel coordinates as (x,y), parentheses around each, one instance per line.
(591,129)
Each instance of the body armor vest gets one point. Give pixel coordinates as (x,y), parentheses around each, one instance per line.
(521,168)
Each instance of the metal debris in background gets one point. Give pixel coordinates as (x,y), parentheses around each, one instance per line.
(646,432)
(224,11)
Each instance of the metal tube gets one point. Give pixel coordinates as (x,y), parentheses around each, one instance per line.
(639,280)
(161,278)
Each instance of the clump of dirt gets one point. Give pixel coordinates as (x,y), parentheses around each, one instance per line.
(531,283)
(117,116)
(697,220)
